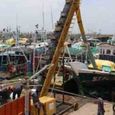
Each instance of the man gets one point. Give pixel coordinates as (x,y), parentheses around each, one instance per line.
(36,100)
(17,90)
(4,95)
(101,110)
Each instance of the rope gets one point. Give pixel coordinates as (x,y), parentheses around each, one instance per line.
(54,83)
(69,53)
(40,57)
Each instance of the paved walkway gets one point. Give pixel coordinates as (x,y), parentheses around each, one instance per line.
(91,109)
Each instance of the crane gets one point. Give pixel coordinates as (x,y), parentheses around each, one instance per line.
(60,34)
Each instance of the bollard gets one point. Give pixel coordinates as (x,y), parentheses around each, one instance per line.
(114,109)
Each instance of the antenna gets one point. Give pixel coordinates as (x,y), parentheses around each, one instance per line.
(43,15)
(16,19)
(17,35)
(17,30)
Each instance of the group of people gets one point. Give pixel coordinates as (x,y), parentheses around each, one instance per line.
(10,92)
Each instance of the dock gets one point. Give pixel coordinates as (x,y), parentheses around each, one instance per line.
(91,109)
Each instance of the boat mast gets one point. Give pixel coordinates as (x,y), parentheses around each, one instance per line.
(43,31)
(52,18)
(43,15)
(34,48)
(17,36)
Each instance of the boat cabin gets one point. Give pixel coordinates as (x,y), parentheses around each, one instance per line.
(107,51)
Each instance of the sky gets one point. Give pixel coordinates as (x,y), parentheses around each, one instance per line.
(98,15)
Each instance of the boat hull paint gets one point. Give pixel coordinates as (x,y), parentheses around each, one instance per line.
(97,88)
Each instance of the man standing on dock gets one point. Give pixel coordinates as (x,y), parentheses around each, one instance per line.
(17,90)
(101,110)
(36,101)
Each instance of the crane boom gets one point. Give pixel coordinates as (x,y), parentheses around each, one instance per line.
(60,35)
(65,21)
(80,24)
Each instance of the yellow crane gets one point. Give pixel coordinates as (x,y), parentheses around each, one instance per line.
(60,34)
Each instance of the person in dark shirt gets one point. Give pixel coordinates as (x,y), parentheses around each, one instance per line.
(17,90)
(5,95)
(36,101)
(101,110)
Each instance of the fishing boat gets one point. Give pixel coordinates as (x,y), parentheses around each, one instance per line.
(76,77)
(18,60)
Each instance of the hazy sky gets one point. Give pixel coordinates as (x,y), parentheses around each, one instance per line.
(98,15)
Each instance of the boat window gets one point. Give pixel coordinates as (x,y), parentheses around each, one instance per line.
(13,59)
(113,52)
(4,60)
(0,60)
(103,51)
(21,59)
(92,44)
(108,51)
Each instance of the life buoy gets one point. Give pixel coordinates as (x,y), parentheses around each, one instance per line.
(11,68)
